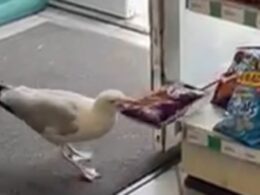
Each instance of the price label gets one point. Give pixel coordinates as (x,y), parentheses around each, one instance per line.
(233,13)
(197,136)
(231,149)
(201,6)
(214,143)
(251,155)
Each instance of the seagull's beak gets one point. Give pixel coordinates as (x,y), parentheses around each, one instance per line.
(126,100)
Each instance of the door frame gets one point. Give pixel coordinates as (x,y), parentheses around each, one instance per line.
(165,33)
(165,56)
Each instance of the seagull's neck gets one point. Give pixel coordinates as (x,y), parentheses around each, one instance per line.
(103,108)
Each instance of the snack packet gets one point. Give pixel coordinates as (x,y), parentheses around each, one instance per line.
(242,121)
(224,91)
(227,83)
(163,106)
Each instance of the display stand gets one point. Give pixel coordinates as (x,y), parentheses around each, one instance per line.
(228,164)
(216,159)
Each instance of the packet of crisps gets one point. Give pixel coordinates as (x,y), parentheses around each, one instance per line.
(227,83)
(224,90)
(163,106)
(242,121)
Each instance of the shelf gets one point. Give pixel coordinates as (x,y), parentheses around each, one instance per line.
(199,131)
(227,10)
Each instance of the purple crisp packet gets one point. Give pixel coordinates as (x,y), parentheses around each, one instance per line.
(163,106)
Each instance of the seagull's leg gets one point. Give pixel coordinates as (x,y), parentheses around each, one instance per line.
(87,156)
(88,172)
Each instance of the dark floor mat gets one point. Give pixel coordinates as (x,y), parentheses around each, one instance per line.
(86,62)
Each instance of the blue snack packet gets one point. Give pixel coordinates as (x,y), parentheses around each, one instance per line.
(242,121)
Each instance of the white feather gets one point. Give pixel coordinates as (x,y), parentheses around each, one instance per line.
(63,116)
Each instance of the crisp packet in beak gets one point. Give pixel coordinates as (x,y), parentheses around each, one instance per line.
(163,106)
(123,102)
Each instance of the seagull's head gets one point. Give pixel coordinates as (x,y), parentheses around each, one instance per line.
(111,99)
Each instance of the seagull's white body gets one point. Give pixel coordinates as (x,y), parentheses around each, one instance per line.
(60,116)
(64,117)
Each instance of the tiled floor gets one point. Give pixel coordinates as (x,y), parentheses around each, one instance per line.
(165,184)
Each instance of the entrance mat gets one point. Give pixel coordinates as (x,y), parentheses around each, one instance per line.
(87,62)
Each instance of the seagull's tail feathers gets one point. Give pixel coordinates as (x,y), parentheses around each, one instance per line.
(4,88)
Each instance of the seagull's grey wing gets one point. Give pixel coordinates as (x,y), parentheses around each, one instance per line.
(41,110)
(62,93)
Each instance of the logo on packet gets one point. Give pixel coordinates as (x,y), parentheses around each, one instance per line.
(250,79)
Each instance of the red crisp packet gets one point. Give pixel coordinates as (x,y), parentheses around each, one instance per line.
(224,91)
(163,106)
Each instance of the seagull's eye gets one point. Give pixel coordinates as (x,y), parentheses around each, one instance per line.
(112,101)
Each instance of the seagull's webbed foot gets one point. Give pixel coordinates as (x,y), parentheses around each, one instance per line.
(78,159)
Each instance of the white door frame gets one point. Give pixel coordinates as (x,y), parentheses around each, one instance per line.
(165,56)
(165,41)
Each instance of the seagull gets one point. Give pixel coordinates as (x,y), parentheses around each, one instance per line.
(65,117)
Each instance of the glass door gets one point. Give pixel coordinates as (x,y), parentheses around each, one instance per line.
(130,14)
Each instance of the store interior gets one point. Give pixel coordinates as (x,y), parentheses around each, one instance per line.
(184,75)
